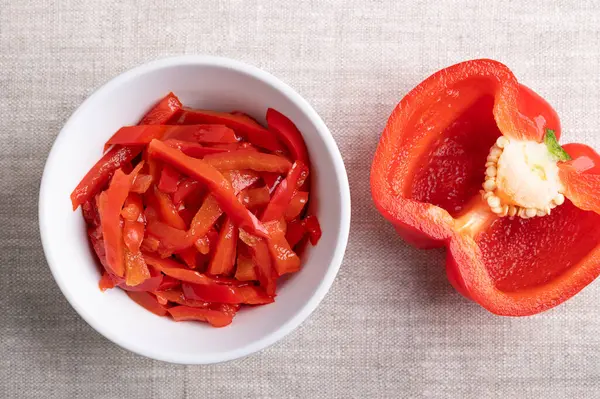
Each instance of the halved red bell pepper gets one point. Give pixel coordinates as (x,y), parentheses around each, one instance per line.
(144,134)
(219,185)
(223,258)
(440,143)
(252,160)
(253,133)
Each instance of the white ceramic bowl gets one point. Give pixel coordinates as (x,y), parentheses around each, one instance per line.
(207,82)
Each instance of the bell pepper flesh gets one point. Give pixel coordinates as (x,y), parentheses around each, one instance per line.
(143,134)
(252,160)
(427,173)
(256,135)
(170,210)
(223,259)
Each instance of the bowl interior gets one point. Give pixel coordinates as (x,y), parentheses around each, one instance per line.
(215,85)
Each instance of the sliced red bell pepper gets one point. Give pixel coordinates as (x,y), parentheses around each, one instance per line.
(283,258)
(176,296)
(297,204)
(144,134)
(241,179)
(99,175)
(220,187)
(289,134)
(312,226)
(167,210)
(147,301)
(188,187)
(221,293)
(150,284)
(284,192)
(256,135)
(171,239)
(255,197)
(252,160)
(174,269)
(189,256)
(106,282)
(223,259)
(132,207)
(163,111)
(141,184)
(295,232)
(194,150)
(263,266)
(205,218)
(168,283)
(207,243)
(110,204)
(136,270)
(244,268)
(429,168)
(216,318)
(169,178)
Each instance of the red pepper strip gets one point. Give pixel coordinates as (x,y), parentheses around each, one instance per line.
(150,284)
(297,204)
(90,213)
(255,197)
(241,179)
(289,134)
(207,243)
(221,293)
(106,282)
(217,183)
(148,301)
(285,191)
(169,178)
(245,268)
(176,270)
(189,256)
(168,211)
(141,184)
(194,150)
(170,239)
(222,261)
(256,135)
(136,270)
(144,134)
(99,175)
(261,258)
(252,160)
(133,235)
(187,187)
(132,207)
(295,232)
(216,318)
(272,180)
(246,117)
(176,296)
(150,244)
(445,128)
(205,218)
(168,283)
(162,111)
(110,203)
(312,226)
(283,258)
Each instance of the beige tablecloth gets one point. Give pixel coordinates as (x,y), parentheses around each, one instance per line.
(391,326)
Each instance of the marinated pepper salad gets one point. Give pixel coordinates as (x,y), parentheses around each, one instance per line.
(195,213)
(470,160)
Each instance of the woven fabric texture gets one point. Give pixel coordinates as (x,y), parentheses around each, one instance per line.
(391,326)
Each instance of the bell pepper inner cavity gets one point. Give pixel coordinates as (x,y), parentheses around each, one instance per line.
(450,168)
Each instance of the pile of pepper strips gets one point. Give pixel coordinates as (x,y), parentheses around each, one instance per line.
(194,213)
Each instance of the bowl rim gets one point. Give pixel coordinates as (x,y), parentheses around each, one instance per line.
(344,228)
